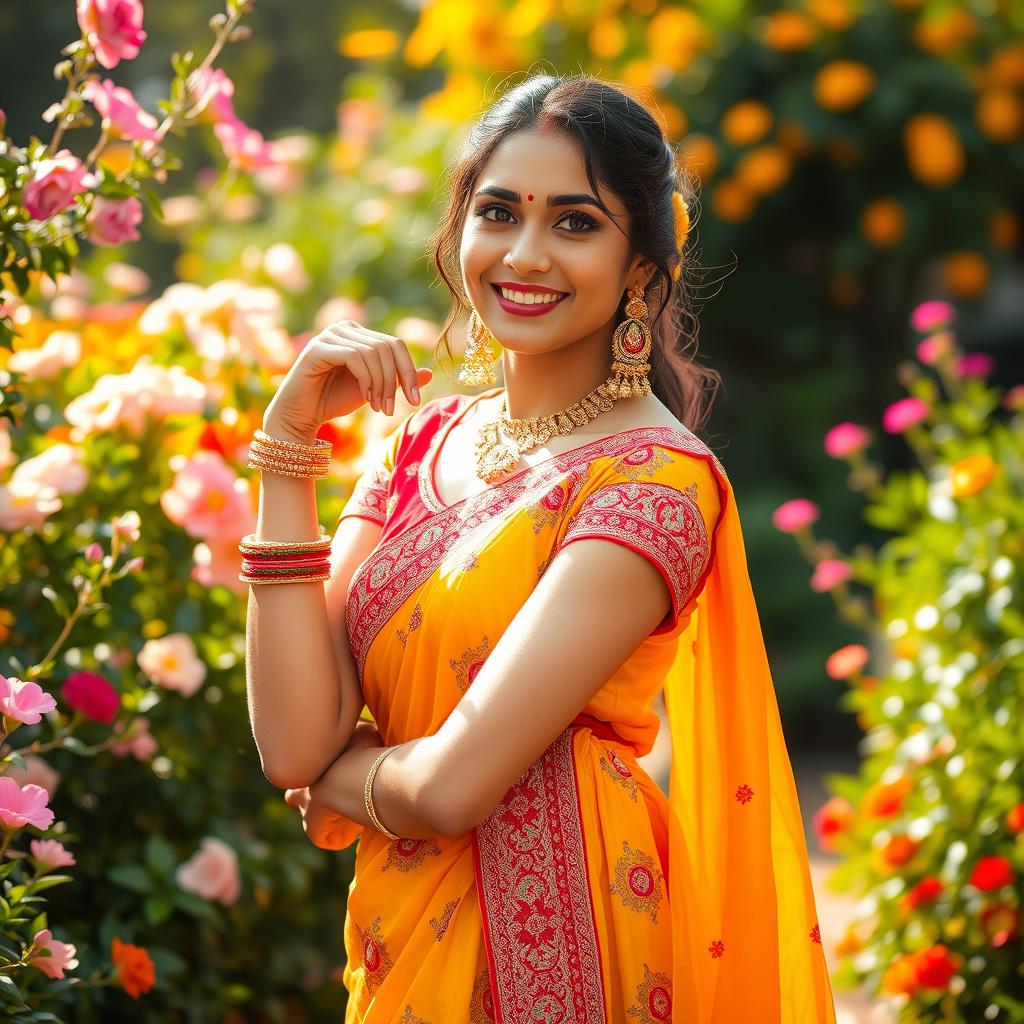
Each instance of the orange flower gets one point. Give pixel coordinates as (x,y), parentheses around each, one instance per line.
(846,661)
(607,37)
(788,30)
(746,122)
(900,977)
(885,799)
(791,136)
(934,153)
(850,943)
(6,621)
(833,14)
(1006,67)
(137,973)
(883,223)
(896,852)
(965,273)
(764,169)
(700,155)
(731,201)
(1000,115)
(675,36)
(834,819)
(971,475)
(941,33)
(1000,922)
(1004,229)
(1015,818)
(842,84)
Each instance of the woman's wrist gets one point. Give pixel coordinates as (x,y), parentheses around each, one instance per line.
(276,428)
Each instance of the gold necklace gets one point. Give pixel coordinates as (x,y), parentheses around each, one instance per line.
(494,456)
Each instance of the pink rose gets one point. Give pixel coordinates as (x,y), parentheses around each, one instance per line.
(128,526)
(60,466)
(208,499)
(846,438)
(904,414)
(37,772)
(54,184)
(93,695)
(795,515)
(212,92)
(846,661)
(974,364)
(61,958)
(20,806)
(60,350)
(244,145)
(217,562)
(48,853)
(26,503)
(829,573)
(122,116)
(930,315)
(212,872)
(113,28)
(935,347)
(172,662)
(24,702)
(113,221)
(138,741)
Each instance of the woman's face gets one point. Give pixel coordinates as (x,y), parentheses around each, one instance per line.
(572,248)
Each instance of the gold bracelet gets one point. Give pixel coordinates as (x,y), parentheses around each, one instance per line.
(287,468)
(252,542)
(319,447)
(368,798)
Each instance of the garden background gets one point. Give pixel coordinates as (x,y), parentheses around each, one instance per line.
(858,272)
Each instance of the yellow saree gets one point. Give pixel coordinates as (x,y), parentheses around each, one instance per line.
(586,896)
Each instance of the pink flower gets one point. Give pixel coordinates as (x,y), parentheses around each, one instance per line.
(48,853)
(846,438)
(244,145)
(122,116)
(930,315)
(26,504)
(1014,398)
(60,466)
(21,806)
(212,92)
(847,661)
(935,347)
(795,515)
(138,742)
(113,221)
(212,872)
(113,28)
(24,702)
(974,364)
(171,661)
(208,499)
(37,772)
(128,526)
(94,553)
(54,184)
(904,414)
(93,695)
(829,573)
(217,563)
(60,350)
(61,958)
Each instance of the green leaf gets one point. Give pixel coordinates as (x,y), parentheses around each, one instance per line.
(58,602)
(157,908)
(49,881)
(131,876)
(160,856)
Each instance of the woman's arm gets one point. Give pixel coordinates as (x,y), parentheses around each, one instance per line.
(592,608)
(303,690)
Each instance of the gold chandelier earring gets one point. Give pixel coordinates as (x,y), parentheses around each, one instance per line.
(631,347)
(482,351)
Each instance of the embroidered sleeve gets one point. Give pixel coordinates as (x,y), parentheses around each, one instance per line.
(667,519)
(370,493)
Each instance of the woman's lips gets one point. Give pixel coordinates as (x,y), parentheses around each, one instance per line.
(518,309)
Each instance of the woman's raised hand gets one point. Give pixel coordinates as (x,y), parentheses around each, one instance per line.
(344,366)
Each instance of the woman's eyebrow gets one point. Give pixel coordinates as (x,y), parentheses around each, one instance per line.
(577,199)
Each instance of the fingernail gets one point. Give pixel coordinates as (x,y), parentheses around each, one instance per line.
(415,394)
(390,406)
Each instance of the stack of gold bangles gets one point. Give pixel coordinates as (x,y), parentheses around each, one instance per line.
(287,561)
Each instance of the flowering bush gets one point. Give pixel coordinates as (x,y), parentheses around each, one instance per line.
(931,830)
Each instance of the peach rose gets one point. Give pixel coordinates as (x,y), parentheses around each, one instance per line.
(60,466)
(208,499)
(172,662)
(60,350)
(212,872)
(26,504)
(61,958)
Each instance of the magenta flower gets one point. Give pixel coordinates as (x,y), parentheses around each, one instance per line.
(48,854)
(54,184)
(23,805)
(61,958)
(974,364)
(934,347)
(25,702)
(113,28)
(829,573)
(845,439)
(113,221)
(794,515)
(904,414)
(931,315)
(212,92)
(244,145)
(94,553)
(122,116)
(93,695)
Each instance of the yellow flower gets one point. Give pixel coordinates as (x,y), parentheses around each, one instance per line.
(883,222)
(764,169)
(965,273)
(732,201)
(607,37)
(971,475)
(1000,115)
(933,150)
(842,84)
(788,30)
(368,43)
(746,122)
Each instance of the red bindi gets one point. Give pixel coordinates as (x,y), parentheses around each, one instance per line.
(530,198)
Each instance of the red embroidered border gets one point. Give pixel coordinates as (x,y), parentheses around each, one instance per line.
(532,883)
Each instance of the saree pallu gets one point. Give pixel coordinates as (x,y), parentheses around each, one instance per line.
(586,896)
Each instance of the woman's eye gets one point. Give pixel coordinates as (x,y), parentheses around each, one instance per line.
(589,224)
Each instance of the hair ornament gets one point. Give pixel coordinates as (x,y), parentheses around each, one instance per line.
(682,229)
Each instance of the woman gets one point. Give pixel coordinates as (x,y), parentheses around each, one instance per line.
(512,584)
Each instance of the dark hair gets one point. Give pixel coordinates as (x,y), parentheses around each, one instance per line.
(625,146)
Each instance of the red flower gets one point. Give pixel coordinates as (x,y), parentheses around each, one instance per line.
(935,966)
(885,799)
(832,820)
(926,890)
(1015,818)
(991,873)
(93,695)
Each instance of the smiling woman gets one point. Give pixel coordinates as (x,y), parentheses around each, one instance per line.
(549,557)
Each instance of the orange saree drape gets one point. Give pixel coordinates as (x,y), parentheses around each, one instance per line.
(586,896)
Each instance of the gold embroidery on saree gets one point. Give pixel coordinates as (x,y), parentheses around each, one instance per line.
(415,619)
(638,882)
(410,1018)
(654,998)
(481,1002)
(614,766)
(469,664)
(641,463)
(440,925)
(376,959)
(406,854)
